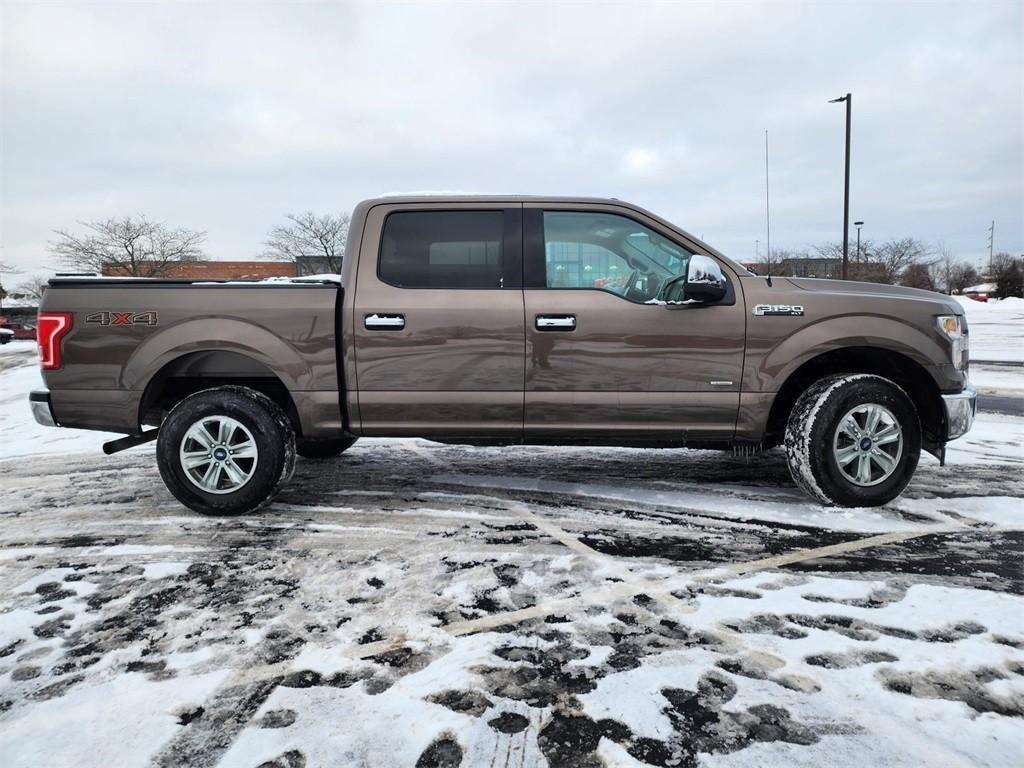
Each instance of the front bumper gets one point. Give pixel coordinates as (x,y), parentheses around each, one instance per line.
(41,410)
(960,411)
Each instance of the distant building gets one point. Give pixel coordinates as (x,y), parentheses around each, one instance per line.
(216,270)
(811,266)
(820,267)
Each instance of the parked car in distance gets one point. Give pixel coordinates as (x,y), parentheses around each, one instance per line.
(6,335)
(21,331)
(509,320)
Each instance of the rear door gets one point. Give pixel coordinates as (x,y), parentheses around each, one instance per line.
(603,362)
(438,318)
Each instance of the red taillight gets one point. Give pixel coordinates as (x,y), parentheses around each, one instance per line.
(51,327)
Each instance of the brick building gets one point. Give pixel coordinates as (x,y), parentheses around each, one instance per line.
(217,270)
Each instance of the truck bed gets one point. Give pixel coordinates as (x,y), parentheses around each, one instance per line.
(133,339)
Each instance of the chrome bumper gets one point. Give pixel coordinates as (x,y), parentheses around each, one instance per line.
(960,411)
(40,402)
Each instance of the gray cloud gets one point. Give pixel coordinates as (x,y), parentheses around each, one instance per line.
(226,116)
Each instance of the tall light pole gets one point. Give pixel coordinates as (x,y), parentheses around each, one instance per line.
(858,225)
(848,98)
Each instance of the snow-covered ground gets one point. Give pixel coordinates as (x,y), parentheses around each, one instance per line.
(415,604)
(996,329)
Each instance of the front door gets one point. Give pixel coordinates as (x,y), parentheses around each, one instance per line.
(438,317)
(605,357)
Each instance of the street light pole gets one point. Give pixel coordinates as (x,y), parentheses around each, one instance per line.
(858,225)
(848,98)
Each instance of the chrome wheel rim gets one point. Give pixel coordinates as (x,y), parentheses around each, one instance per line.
(218,454)
(868,444)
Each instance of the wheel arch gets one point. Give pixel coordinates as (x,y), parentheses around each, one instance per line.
(202,369)
(895,366)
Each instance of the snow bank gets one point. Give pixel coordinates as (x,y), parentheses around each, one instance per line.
(996,328)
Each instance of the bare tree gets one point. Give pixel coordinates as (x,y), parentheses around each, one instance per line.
(943,268)
(769,261)
(1007,273)
(862,264)
(4,267)
(129,246)
(917,275)
(962,276)
(897,254)
(33,289)
(309,236)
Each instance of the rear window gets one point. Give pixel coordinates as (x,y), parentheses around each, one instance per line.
(442,249)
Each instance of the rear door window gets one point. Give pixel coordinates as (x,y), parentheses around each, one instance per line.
(443,249)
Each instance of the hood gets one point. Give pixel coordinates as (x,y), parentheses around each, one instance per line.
(854,288)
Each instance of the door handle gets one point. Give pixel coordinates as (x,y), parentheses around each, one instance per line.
(556,322)
(377,322)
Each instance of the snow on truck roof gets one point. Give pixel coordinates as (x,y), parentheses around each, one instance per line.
(266,282)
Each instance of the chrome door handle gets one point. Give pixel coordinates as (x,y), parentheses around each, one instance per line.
(556,322)
(377,322)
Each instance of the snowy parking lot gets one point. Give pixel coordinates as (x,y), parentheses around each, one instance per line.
(409,603)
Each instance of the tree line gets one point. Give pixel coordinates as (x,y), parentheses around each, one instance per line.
(909,262)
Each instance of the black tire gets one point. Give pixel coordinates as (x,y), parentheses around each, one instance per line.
(269,429)
(815,441)
(323,449)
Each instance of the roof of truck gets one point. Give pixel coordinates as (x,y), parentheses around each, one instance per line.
(460,197)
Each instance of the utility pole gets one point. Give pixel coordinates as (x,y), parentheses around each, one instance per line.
(848,98)
(991,240)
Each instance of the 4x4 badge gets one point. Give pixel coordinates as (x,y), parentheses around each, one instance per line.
(778,309)
(122,318)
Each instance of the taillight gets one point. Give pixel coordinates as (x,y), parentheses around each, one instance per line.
(51,327)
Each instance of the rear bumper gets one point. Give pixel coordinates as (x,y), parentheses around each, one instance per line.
(39,400)
(960,411)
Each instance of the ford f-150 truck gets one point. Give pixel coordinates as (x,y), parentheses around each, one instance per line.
(508,320)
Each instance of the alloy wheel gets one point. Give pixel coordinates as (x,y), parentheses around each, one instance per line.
(868,444)
(218,454)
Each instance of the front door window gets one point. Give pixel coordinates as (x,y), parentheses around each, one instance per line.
(601,251)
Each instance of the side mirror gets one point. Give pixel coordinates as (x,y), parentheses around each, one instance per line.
(704,280)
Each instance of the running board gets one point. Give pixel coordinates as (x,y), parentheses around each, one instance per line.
(124,443)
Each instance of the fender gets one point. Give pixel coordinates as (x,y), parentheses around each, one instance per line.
(769,369)
(232,335)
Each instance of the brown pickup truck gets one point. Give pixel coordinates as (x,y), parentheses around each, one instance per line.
(508,320)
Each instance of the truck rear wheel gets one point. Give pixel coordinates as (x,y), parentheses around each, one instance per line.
(226,451)
(323,449)
(853,440)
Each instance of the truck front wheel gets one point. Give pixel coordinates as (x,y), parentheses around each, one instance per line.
(853,440)
(226,451)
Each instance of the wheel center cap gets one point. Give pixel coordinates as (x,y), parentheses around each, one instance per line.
(865,443)
(220,454)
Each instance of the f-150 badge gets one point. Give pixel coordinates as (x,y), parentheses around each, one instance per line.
(778,309)
(122,318)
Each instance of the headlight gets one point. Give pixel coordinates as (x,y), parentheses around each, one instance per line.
(954,328)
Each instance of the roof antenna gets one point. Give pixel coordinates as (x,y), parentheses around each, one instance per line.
(767,210)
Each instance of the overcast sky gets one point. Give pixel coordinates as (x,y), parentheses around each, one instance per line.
(224,117)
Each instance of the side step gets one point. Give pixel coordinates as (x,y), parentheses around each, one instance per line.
(124,443)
